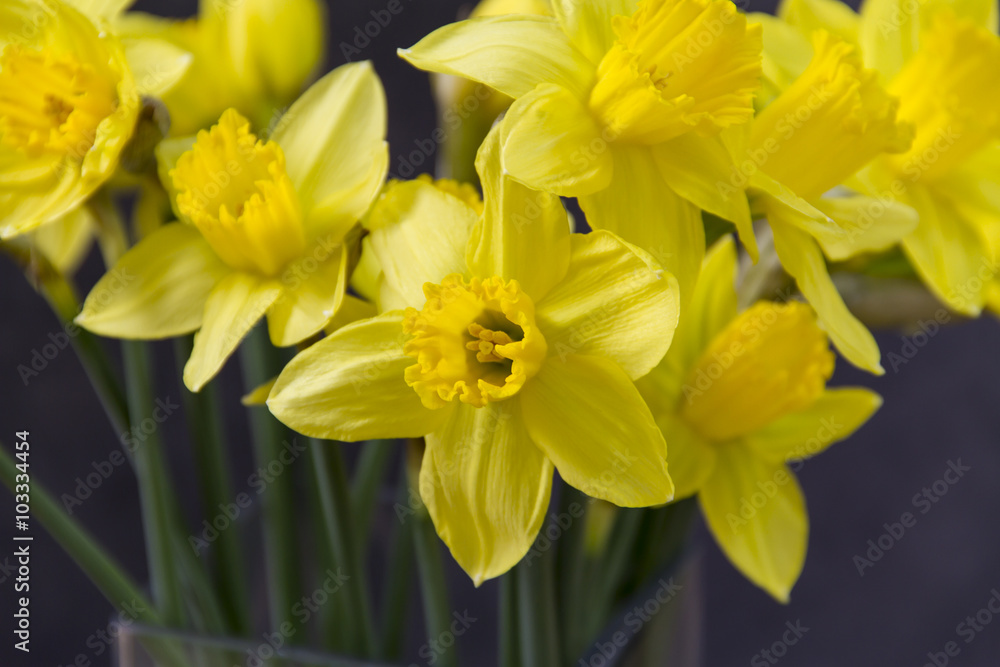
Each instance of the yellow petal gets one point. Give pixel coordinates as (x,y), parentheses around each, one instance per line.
(350,387)
(699,170)
(803,260)
(802,212)
(486,486)
(233,308)
(869,224)
(616,302)
(101,9)
(949,253)
(157,65)
(889,34)
(168,152)
(639,207)
(419,234)
(367,277)
(589,25)
(589,419)
(351,310)
(833,417)
(259,395)
(334,143)
(524,233)
(65,242)
(830,15)
(551,142)
(690,460)
(787,53)
(512,54)
(314,287)
(756,512)
(709,310)
(158,289)
(275,45)
(25,209)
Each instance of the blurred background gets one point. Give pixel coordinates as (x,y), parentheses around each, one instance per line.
(941,409)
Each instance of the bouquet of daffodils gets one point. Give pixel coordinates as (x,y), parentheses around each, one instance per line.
(617,304)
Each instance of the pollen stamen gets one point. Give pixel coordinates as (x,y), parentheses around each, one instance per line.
(486,343)
(494,364)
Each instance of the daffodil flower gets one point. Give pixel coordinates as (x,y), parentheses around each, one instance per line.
(265,227)
(512,346)
(940,59)
(829,123)
(69,100)
(741,395)
(619,103)
(254,56)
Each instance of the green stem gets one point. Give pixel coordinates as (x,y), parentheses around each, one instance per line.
(510,645)
(368,477)
(399,586)
(434,590)
(100,567)
(111,233)
(614,566)
(198,590)
(62,298)
(669,527)
(331,477)
(154,491)
(208,441)
(571,556)
(333,633)
(536,611)
(261,362)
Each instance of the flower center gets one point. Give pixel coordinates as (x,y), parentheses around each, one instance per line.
(678,66)
(473,340)
(830,123)
(950,90)
(770,361)
(51,104)
(236,190)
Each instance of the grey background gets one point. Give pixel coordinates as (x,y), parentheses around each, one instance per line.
(941,406)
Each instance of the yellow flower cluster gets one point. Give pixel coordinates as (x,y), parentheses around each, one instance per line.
(513,344)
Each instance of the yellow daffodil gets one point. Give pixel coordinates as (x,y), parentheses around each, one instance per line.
(265,227)
(69,100)
(619,103)
(254,56)
(742,395)
(511,345)
(829,123)
(940,59)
